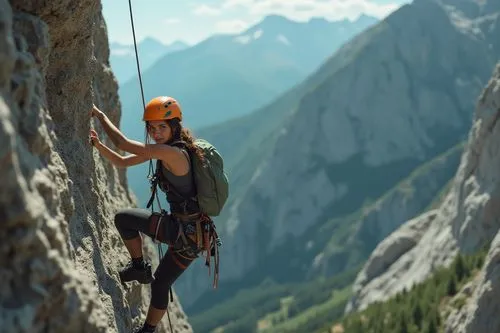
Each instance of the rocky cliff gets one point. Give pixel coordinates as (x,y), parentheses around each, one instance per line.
(393,98)
(351,239)
(60,250)
(468,218)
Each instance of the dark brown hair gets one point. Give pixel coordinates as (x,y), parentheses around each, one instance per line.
(180,133)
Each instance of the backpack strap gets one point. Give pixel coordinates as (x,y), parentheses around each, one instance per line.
(179,144)
(166,186)
(159,179)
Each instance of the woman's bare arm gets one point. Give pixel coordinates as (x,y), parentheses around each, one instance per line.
(132,159)
(149,151)
(171,156)
(117,159)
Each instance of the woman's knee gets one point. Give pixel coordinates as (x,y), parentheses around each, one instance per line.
(126,220)
(121,218)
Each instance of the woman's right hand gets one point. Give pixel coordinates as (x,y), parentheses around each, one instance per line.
(94,138)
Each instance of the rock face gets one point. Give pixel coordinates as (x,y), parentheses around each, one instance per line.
(479,217)
(393,98)
(59,247)
(468,218)
(480,314)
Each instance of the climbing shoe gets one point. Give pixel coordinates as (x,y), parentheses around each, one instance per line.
(141,273)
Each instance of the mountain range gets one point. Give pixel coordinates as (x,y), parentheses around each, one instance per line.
(123,60)
(325,153)
(227,76)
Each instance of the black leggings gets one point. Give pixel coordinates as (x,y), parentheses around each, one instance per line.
(129,223)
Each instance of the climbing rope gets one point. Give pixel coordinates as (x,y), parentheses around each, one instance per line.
(136,53)
(160,250)
(140,84)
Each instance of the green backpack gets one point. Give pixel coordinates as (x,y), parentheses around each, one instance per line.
(211,181)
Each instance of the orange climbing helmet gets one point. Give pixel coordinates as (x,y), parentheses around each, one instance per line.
(162,108)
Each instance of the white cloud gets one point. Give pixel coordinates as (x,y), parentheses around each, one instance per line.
(305,9)
(171,20)
(235,3)
(231,26)
(202,10)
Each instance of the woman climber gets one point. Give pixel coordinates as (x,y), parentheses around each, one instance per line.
(185,229)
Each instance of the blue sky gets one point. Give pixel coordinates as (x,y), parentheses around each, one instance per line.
(192,21)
